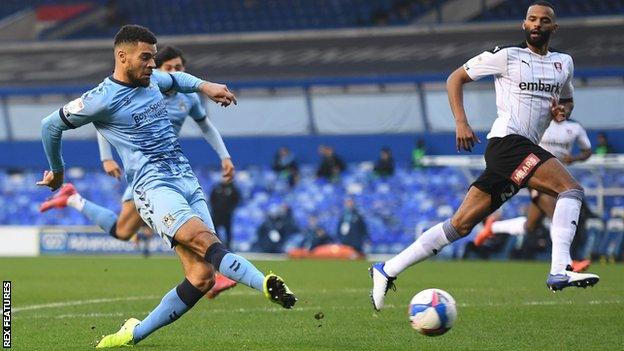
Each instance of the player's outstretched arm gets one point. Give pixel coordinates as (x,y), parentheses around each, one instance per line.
(52,128)
(186,83)
(465,136)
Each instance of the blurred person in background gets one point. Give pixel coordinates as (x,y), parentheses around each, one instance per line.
(418,153)
(224,198)
(331,165)
(352,229)
(277,227)
(315,235)
(603,147)
(285,165)
(384,167)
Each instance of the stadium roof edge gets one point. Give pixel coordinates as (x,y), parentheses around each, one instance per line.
(596,21)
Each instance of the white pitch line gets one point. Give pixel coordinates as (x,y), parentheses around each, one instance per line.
(249,292)
(82,302)
(317,308)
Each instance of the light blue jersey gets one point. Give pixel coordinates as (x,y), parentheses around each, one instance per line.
(136,122)
(181,106)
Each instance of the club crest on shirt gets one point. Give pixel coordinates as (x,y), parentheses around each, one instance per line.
(168,220)
(182,106)
(558,66)
(73,107)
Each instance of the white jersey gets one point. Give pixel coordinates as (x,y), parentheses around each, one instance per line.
(559,138)
(526,85)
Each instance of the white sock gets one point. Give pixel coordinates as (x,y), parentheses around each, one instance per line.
(427,245)
(514,226)
(76,201)
(564,222)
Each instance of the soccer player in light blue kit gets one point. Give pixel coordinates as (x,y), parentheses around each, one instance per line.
(128,109)
(128,223)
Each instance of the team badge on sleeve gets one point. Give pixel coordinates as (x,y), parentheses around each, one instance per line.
(558,66)
(73,107)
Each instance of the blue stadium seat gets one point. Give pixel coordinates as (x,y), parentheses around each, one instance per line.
(171,17)
(393,207)
(514,9)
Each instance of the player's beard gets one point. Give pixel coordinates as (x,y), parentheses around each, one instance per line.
(136,78)
(539,42)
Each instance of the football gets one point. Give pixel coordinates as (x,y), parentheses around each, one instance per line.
(432,312)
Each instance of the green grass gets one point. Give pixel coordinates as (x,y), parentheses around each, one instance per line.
(501,305)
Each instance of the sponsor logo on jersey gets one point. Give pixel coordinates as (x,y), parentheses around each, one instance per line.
(540,86)
(153,112)
(555,143)
(525,167)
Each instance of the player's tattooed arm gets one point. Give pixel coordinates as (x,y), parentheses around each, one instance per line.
(465,137)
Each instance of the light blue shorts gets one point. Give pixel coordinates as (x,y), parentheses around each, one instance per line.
(166,207)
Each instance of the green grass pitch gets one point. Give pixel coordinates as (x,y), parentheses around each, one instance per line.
(66,303)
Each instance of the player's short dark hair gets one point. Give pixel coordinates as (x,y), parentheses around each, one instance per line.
(132,34)
(543,3)
(167,53)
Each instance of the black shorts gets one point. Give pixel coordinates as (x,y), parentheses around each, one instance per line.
(509,163)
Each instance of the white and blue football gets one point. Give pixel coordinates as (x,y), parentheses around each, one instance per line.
(432,312)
